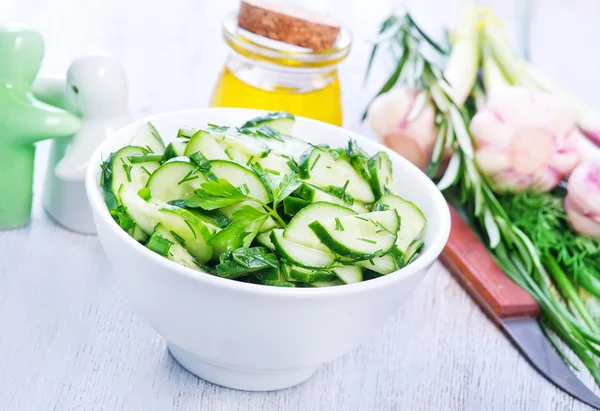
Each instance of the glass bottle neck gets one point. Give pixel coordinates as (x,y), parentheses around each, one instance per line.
(281,79)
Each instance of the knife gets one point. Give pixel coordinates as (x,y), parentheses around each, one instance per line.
(508,306)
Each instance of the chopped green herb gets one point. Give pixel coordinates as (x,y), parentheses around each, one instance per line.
(178,237)
(269,132)
(250,160)
(144,158)
(145,170)
(274,172)
(366,240)
(191,228)
(191,175)
(214,127)
(159,244)
(361,218)
(315,162)
(127,168)
(338,225)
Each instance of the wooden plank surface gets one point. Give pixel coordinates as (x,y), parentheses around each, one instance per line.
(70,341)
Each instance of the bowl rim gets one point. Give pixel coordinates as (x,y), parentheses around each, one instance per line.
(96,200)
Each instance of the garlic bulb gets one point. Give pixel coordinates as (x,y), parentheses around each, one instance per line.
(403,119)
(526,139)
(582,203)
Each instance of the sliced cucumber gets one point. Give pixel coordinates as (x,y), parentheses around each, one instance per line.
(264,239)
(204,142)
(349,274)
(276,166)
(386,264)
(149,139)
(306,275)
(239,175)
(214,217)
(300,255)
(413,220)
(186,132)
(175,180)
(298,230)
(359,236)
(322,284)
(165,244)
(240,150)
(120,171)
(314,194)
(188,229)
(382,179)
(317,166)
(413,251)
(279,120)
(174,149)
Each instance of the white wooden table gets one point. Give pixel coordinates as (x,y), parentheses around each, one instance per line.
(69,340)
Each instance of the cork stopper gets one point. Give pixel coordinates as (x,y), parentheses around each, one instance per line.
(289,24)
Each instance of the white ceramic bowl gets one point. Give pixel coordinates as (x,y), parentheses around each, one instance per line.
(255,337)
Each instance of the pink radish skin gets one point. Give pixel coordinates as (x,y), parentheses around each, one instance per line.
(388,118)
(582,203)
(526,139)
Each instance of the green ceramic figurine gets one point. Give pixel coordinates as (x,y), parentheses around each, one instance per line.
(23,121)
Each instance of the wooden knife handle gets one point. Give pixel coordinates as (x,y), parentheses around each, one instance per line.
(469,261)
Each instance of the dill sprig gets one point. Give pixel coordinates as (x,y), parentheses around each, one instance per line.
(542,217)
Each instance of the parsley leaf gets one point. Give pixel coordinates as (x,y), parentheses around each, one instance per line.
(216,194)
(242,230)
(287,186)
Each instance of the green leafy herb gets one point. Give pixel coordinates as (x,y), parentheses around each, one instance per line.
(358,158)
(315,162)
(287,186)
(178,237)
(190,227)
(159,244)
(366,240)
(203,165)
(242,230)
(144,158)
(216,194)
(119,214)
(127,168)
(269,132)
(191,175)
(249,162)
(145,170)
(340,192)
(255,257)
(338,225)
(214,127)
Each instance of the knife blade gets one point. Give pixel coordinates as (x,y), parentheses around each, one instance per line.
(508,306)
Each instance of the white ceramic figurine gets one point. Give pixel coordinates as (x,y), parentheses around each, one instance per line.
(96,90)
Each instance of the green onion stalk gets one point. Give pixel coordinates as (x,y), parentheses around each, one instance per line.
(526,232)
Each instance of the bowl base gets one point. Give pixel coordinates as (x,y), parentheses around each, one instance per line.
(239,379)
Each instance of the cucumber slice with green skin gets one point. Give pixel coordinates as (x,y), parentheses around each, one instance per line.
(164,243)
(239,175)
(175,180)
(382,179)
(174,149)
(276,166)
(413,251)
(264,239)
(188,229)
(413,219)
(298,230)
(204,142)
(149,138)
(186,132)
(214,217)
(349,274)
(305,275)
(281,121)
(119,170)
(386,264)
(314,194)
(359,236)
(300,255)
(292,205)
(240,148)
(318,167)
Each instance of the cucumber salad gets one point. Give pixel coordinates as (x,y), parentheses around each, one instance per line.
(255,204)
